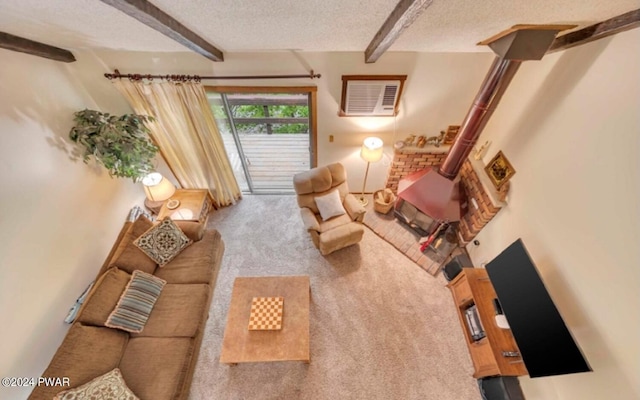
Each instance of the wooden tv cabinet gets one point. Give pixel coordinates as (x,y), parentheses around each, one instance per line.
(472,286)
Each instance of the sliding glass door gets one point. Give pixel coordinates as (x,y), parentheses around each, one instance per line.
(269,134)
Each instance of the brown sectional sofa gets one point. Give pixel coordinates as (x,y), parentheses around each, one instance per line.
(159,362)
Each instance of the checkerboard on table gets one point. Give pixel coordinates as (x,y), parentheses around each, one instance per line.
(266,313)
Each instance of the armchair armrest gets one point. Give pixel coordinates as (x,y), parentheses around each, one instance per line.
(354,208)
(309,220)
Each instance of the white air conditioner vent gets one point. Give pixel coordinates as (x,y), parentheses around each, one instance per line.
(389,95)
(371,97)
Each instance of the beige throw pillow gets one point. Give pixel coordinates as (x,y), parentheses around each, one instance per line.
(163,242)
(105,387)
(330,205)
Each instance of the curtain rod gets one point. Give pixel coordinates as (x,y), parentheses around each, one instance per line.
(198,78)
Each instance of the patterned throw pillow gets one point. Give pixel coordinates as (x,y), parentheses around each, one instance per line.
(163,242)
(136,302)
(105,387)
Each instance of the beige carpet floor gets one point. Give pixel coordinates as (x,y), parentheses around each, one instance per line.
(381,327)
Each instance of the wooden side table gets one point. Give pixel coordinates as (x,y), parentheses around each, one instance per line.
(195,205)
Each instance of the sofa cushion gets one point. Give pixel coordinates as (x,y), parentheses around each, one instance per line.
(197,263)
(315,180)
(326,226)
(179,311)
(104,297)
(155,368)
(85,353)
(163,242)
(128,256)
(105,387)
(330,205)
(340,237)
(193,229)
(318,182)
(135,305)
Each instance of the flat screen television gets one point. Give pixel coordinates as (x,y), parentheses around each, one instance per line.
(546,345)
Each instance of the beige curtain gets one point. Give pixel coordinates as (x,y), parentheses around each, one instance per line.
(186,133)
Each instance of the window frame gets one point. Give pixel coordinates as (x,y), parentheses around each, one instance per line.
(311,91)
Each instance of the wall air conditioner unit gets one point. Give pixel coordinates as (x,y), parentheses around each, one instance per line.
(371,95)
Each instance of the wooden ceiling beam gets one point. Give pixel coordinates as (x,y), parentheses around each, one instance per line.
(400,19)
(157,19)
(16,43)
(597,31)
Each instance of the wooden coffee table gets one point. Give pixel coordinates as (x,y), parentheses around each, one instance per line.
(291,343)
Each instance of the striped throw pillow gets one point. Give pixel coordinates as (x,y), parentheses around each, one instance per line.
(136,302)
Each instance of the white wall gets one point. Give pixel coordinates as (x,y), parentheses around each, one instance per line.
(570,125)
(438,92)
(58,217)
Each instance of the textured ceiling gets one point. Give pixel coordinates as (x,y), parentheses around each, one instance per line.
(304,25)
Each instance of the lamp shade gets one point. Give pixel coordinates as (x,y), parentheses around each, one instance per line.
(157,187)
(371,149)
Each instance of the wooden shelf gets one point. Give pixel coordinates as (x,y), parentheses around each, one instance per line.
(472,286)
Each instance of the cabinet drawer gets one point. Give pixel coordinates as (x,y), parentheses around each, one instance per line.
(484,362)
(461,291)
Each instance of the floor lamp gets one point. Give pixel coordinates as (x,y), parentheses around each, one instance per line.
(371,151)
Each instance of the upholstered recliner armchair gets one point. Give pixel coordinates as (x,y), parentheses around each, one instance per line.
(338,222)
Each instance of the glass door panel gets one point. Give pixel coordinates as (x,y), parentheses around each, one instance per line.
(266,136)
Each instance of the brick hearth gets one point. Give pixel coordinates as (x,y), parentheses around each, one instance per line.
(476,218)
(407,161)
(403,239)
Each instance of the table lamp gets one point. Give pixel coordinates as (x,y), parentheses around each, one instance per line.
(158,189)
(371,151)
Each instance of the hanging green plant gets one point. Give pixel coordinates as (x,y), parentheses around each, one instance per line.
(120,144)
